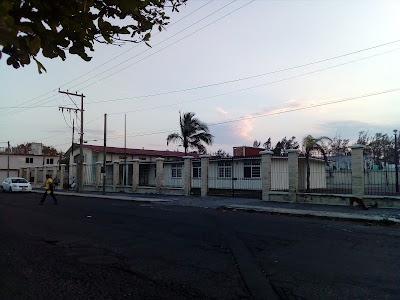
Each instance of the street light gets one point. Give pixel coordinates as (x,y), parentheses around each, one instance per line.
(396,160)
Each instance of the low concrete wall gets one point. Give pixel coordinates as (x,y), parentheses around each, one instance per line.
(329,199)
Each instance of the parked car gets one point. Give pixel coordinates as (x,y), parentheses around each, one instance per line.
(16,184)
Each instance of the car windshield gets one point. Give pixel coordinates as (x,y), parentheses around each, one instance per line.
(19,180)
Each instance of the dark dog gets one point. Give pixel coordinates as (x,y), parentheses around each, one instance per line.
(359,201)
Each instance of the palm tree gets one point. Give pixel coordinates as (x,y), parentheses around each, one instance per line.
(310,145)
(193,133)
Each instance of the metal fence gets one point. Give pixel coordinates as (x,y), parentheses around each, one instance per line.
(173,172)
(235,177)
(125,175)
(381,182)
(279,174)
(331,177)
(147,174)
(90,175)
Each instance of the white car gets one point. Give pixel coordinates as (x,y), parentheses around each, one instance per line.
(16,184)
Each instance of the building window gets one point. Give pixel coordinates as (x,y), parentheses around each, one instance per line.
(49,161)
(251,169)
(224,169)
(176,170)
(29,160)
(196,170)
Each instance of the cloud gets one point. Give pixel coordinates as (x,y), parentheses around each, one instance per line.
(221,111)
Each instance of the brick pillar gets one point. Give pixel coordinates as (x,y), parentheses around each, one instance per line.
(266,162)
(204,165)
(62,175)
(135,174)
(115,175)
(187,174)
(99,164)
(357,170)
(35,179)
(159,173)
(293,169)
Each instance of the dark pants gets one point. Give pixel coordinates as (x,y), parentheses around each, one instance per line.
(51,194)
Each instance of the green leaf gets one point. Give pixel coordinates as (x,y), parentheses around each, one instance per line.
(34,45)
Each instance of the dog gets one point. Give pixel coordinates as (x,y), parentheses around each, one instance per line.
(359,201)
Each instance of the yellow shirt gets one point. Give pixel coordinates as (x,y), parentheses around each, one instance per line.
(48,182)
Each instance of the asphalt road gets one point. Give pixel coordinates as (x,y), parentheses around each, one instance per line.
(104,249)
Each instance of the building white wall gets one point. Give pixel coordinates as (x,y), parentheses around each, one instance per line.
(18,161)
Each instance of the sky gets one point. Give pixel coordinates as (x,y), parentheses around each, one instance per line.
(249,69)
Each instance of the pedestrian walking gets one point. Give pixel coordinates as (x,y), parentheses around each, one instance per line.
(49,185)
(56,182)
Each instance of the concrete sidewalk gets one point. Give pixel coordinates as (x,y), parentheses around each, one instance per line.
(296,209)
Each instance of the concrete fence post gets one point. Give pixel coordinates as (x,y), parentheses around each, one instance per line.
(62,176)
(293,170)
(73,172)
(84,175)
(55,169)
(35,179)
(266,163)
(205,162)
(357,170)
(135,174)
(187,174)
(99,164)
(28,174)
(44,174)
(159,173)
(115,175)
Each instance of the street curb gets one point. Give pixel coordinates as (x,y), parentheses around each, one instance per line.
(122,198)
(321,214)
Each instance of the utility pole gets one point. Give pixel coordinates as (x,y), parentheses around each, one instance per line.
(80,161)
(396,160)
(8,158)
(125,166)
(104,154)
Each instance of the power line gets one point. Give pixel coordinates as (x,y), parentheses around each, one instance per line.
(252,87)
(136,45)
(244,78)
(194,32)
(347,99)
(115,57)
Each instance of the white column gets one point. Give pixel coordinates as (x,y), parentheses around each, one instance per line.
(205,160)
(159,173)
(35,180)
(266,162)
(293,170)
(135,174)
(357,170)
(44,174)
(62,175)
(187,174)
(99,164)
(115,174)
(83,174)
(28,174)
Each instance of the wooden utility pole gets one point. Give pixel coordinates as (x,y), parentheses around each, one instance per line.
(80,161)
